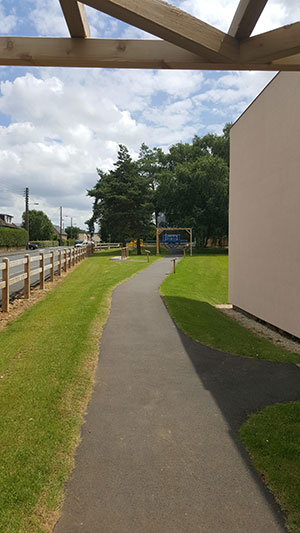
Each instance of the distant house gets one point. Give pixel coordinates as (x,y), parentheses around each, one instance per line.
(6,221)
(86,236)
(56,231)
(83,236)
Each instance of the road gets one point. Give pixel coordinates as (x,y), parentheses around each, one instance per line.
(15,271)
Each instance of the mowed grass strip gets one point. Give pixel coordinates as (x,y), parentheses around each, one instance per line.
(272,438)
(199,284)
(47,362)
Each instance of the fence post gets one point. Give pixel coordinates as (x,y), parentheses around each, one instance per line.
(42,273)
(59,262)
(27,280)
(5,290)
(66,260)
(52,266)
(70,257)
(73,256)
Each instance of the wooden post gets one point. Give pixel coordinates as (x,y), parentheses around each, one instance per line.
(70,258)
(65,260)
(5,290)
(42,273)
(52,266)
(27,280)
(157,241)
(174,265)
(184,251)
(191,242)
(59,263)
(148,258)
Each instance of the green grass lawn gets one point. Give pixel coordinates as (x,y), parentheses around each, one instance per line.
(272,438)
(199,284)
(47,363)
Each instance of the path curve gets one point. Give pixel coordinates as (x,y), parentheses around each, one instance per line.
(159,452)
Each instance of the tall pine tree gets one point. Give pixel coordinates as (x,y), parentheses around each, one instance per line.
(123,200)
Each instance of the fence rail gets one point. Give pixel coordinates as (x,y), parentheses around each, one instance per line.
(65,259)
(107,245)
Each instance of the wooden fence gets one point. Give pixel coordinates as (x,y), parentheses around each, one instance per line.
(107,245)
(65,259)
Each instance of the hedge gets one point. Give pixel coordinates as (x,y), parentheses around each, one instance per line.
(13,238)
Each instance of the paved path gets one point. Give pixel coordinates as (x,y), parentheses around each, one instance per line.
(159,452)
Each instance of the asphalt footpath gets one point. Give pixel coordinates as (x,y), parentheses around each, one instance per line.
(159,451)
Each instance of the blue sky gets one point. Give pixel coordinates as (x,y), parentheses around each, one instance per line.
(58,125)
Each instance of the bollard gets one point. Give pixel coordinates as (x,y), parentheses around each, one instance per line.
(174,265)
(184,252)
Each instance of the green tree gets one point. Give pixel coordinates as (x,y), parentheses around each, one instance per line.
(40,226)
(151,164)
(123,200)
(193,186)
(91,225)
(72,232)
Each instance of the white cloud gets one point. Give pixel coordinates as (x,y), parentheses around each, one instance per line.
(8,20)
(66,123)
(60,124)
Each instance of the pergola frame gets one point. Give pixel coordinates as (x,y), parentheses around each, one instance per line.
(185,41)
(159,231)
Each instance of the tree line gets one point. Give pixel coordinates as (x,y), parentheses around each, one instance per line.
(188,185)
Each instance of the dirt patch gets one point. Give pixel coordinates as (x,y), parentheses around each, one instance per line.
(262,330)
(18,305)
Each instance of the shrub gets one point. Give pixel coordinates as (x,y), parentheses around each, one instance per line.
(13,238)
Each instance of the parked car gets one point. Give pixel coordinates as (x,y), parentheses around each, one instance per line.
(32,246)
(78,243)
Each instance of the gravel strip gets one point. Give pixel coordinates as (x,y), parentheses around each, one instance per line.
(262,330)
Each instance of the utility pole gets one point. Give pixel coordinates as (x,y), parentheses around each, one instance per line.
(27,210)
(27,213)
(71,227)
(60,227)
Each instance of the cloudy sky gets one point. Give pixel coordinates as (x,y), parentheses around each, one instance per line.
(58,125)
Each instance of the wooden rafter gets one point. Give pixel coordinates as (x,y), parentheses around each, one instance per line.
(173,25)
(76,19)
(118,53)
(245,18)
(275,44)
(188,43)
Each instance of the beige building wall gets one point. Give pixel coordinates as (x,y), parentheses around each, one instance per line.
(264,222)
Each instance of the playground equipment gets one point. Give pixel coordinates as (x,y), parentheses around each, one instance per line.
(173,240)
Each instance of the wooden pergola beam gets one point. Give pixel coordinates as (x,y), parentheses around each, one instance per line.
(76,19)
(246,17)
(118,53)
(173,25)
(272,45)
